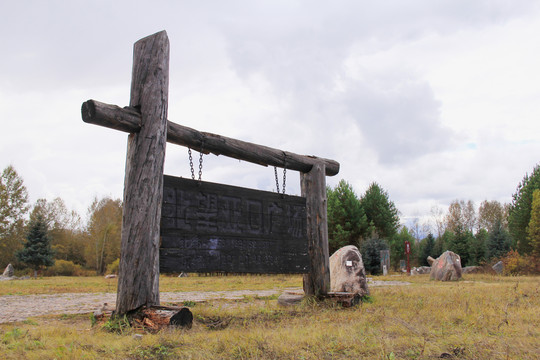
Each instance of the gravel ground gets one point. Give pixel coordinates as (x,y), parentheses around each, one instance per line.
(21,307)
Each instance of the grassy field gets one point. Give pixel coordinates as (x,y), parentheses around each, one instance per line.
(97,284)
(479,317)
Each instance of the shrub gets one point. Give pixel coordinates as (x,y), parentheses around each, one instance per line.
(64,268)
(112,268)
(516,264)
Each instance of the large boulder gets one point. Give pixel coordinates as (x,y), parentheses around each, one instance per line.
(9,271)
(347,272)
(446,267)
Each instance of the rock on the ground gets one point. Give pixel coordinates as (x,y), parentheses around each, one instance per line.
(472,270)
(104,310)
(446,267)
(9,271)
(291,297)
(347,272)
(420,270)
(498,267)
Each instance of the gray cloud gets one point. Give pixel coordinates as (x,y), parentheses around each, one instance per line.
(399,119)
(285,74)
(302,53)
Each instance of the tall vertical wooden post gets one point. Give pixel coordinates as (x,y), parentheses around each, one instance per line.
(138,278)
(313,186)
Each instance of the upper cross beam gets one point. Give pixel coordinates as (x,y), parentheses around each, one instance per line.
(129,120)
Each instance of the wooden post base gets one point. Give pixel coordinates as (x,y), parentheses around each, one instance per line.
(152,318)
(344,299)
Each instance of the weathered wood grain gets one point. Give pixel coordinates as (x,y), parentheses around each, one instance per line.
(209,227)
(124,119)
(138,280)
(128,120)
(313,187)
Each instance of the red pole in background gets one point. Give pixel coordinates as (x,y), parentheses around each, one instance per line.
(408,251)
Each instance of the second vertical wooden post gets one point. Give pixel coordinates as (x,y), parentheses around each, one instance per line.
(313,185)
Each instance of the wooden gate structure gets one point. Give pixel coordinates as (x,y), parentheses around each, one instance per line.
(145,119)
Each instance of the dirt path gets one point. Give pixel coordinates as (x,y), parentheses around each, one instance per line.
(21,307)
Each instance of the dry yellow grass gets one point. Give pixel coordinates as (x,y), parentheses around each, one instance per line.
(96,284)
(480,317)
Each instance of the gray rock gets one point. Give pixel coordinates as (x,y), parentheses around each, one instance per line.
(420,270)
(9,271)
(100,312)
(498,267)
(446,267)
(347,272)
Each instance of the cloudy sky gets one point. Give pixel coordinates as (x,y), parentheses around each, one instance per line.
(433,100)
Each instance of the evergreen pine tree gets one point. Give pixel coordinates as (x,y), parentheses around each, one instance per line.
(498,243)
(346,219)
(440,246)
(477,248)
(428,245)
(534,224)
(380,211)
(520,211)
(371,254)
(37,250)
(460,244)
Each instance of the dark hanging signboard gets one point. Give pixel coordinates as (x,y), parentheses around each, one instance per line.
(208,227)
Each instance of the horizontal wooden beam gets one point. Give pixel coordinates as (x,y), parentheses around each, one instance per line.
(129,120)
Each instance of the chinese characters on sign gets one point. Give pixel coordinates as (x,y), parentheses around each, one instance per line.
(207,227)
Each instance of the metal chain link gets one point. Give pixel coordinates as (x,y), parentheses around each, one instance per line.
(277,180)
(284,178)
(191,164)
(200,166)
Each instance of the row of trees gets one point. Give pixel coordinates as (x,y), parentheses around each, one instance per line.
(25,229)
(352,219)
(371,222)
